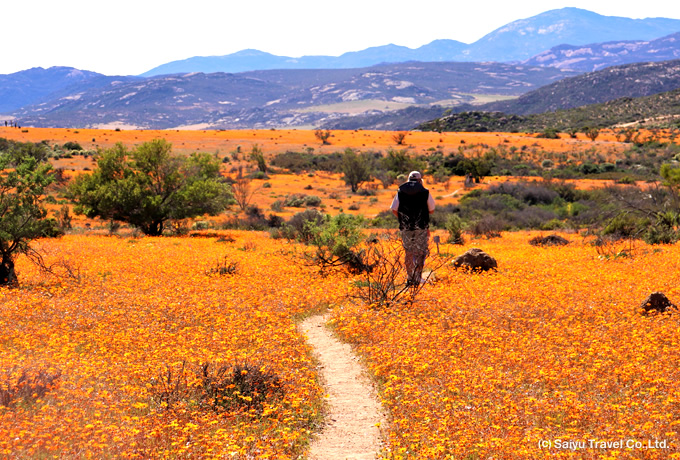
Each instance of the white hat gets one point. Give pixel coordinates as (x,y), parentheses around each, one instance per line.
(414,175)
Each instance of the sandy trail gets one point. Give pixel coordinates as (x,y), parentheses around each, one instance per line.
(354,411)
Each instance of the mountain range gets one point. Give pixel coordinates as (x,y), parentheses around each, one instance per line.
(37,85)
(515,42)
(274,98)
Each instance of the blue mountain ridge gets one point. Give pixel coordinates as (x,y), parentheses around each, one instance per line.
(514,42)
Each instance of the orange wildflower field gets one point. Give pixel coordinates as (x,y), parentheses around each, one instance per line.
(117,352)
(550,348)
(277,141)
(139,308)
(280,140)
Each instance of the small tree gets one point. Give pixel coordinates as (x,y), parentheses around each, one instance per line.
(242,191)
(257,157)
(356,169)
(454,225)
(627,134)
(591,133)
(399,162)
(572,132)
(22,215)
(149,186)
(63,216)
(399,137)
(323,136)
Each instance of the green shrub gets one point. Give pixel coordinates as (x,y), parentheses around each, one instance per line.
(553,224)
(300,200)
(589,168)
(366,192)
(549,133)
(625,225)
(298,227)
(336,243)
(660,234)
(70,145)
(385,219)
(259,175)
(454,225)
(312,200)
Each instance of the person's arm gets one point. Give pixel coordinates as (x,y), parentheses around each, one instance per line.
(430,203)
(395,205)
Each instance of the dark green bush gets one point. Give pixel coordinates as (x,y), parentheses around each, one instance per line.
(660,234)
(625,225)
(70,145)
(300,200)
(589,168)
(298,227)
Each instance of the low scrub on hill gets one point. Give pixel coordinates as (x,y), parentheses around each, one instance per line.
(660,110)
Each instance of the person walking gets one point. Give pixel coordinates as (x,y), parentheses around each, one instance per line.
(413,205)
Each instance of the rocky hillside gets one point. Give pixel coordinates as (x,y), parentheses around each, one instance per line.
(632,80)
(659,110)
(597,56)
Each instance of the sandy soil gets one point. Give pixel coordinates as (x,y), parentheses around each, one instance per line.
(352,422)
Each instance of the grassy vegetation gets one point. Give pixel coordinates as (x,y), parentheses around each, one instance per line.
(542,172)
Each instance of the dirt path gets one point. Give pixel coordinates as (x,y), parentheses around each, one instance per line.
(350,431)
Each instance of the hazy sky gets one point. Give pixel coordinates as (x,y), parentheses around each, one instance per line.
(130,37)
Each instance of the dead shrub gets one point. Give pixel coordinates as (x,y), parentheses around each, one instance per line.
(241,387)
(385,284)
(614,248)
(224,267)
(28,387)
(226,239)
